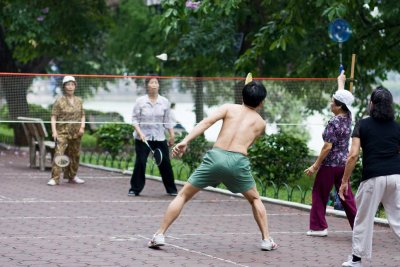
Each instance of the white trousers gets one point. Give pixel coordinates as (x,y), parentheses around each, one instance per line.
(370,193)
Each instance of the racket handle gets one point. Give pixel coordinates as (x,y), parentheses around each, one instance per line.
(341,68)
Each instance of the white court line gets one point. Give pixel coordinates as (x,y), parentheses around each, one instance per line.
(50,236)
(112,201)
(86,177)
(200,253)
(130,217)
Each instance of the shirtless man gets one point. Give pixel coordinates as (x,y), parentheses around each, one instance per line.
(226,162)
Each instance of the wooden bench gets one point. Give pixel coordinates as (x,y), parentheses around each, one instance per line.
(35,133)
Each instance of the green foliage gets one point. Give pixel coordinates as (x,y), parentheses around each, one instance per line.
(6,134)
(293,37)
(114,138)
(282,106)
(357,173)
(37,30)
(35,111)
(136,38)
(94,118)
(194,152)
(89,142)
(280,158)
(209,46)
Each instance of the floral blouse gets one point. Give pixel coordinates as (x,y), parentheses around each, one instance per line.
(337,132)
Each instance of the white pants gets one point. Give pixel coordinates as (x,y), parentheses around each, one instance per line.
(385,189)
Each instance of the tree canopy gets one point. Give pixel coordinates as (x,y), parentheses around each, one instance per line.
(289,38)
(34,32)
(285,38)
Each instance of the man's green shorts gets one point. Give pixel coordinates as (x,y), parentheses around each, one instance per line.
(221,166)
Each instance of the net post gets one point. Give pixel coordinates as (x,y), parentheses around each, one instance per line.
(353,63)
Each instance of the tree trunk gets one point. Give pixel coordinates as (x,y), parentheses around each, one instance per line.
(199,98)
(15,88)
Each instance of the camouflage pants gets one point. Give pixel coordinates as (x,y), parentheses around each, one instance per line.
(70,147)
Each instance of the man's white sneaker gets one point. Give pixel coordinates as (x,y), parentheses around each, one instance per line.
(318,233)
(351,263)
(52,182)
(77,180)
(158,240)
(268,244)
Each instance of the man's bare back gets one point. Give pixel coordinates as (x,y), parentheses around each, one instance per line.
(241,126)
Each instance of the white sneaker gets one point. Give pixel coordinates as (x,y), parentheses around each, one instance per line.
(77,180)
(52,182)
(158,240)
(268,244)
(317,233)
(351,263)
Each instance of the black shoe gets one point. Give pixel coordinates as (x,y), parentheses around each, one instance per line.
(132,193)
(173,194)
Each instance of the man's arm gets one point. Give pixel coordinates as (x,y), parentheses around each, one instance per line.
(206,123)
(200,128)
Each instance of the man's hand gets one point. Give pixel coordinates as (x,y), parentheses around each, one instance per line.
(179,149)
(343,190)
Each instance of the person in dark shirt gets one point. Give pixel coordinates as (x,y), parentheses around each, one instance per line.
(379,138)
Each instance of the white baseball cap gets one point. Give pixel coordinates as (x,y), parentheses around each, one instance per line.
(345,97)
(69,79)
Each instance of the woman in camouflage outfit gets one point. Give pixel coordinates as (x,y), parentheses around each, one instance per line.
(67,125)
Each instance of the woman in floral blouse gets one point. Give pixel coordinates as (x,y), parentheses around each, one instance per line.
(331,162)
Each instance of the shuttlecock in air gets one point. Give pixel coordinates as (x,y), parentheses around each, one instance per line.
(249,78)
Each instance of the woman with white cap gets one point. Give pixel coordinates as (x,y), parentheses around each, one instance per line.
(331,162)
(67,126)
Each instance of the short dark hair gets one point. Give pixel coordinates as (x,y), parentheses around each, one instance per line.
(382,104)
(253,94)
(341,105)
(150,77)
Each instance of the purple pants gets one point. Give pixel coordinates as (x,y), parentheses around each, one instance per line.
(328,176)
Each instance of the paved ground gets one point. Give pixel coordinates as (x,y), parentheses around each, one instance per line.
(97,224)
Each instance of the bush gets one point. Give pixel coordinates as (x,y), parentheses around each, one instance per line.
(280,158)
(89,142)
(93,116)
(114,138)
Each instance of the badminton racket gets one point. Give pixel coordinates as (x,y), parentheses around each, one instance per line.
(61,160)
(156,153)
